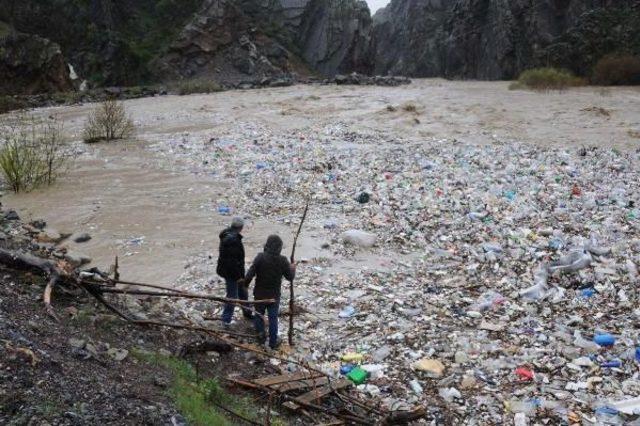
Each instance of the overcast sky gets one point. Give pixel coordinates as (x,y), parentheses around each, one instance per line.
(377,4)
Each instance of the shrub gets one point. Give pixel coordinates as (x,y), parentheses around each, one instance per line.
(547,79)
(189,87)
(9,103)
(615,70)
(109,122)
(32,153)
(409,107)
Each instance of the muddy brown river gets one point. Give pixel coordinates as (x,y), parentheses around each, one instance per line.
(154,216)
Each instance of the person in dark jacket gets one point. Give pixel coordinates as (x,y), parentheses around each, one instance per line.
(269,267)
(231,267)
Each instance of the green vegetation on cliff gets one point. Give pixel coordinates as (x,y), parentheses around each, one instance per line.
(110,42)
(598,33)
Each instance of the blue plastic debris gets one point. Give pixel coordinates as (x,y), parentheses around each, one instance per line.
(605,340)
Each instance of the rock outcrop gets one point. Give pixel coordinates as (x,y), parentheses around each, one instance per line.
(496,39)
(236,40)
(258,43)
(31,64)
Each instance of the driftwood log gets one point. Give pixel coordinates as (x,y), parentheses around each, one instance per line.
(27,262)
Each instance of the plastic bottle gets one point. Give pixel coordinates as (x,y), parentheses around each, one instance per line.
(520,419)
(606,340)
(588,292)
(607,416)
(581,342)
(346,369)
(347,312)
(416,387)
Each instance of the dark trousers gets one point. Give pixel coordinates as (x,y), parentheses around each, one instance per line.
(272,310)
(234,291)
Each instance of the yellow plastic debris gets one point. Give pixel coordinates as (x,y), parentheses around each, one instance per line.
(352,357)
(431,366)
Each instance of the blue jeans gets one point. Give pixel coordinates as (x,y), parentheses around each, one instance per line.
(272,310)
(234,291)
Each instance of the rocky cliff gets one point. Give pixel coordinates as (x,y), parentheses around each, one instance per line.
(496,39)
(31,64)
(236,40)
(134,42)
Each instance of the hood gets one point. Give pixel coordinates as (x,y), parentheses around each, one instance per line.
(230,232)
(273,245)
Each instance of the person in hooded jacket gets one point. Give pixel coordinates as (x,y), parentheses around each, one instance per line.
(231,268)
(268,268)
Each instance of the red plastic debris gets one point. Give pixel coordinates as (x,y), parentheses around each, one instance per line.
(576,191)
(524,373)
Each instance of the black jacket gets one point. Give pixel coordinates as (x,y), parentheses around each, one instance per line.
(231,256)
(269,267)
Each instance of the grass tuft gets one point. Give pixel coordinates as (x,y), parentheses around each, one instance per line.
(198,400)
(190,87)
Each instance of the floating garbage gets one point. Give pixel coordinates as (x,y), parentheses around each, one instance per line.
(359,238)
(416,387)
(345,369)
(588,292)
(431,366)
(525,373)
(364,198)
(628,406)
(358,376)
(606,340)
(352,357)
(347,312)
(482,259)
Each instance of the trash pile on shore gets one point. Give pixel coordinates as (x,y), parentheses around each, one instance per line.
(519,300)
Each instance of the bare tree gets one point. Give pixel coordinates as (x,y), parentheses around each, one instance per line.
(53,150)
(109,122)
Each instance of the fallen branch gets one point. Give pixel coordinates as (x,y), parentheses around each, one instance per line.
(47,298)
(176,294)
(293,257)
(28,262)
(329,411)
(101,288)
(135,321)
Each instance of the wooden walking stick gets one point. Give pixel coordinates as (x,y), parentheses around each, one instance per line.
(293,252)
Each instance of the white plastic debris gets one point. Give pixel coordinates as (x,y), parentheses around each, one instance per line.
(359,238)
